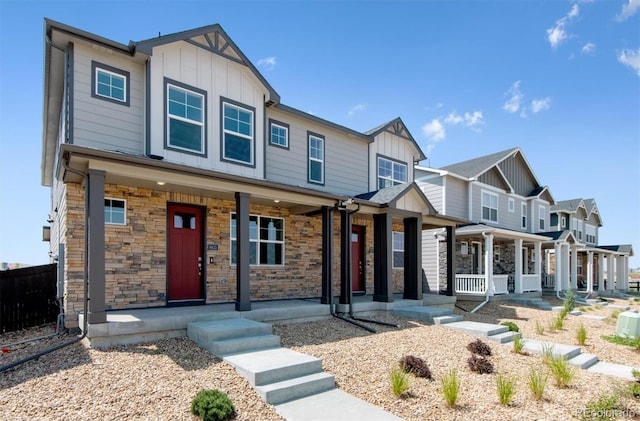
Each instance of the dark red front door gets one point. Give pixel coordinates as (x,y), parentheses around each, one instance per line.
(357,259)
(185,253)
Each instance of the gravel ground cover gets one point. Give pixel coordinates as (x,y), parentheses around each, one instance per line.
(156,381)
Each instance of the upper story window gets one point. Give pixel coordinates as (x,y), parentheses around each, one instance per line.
(580,225)
(523,217)
(512,205)
(542,217)
(398,250)
(489,206)
(279,134)
(391,173)
(237,133)
(115,211)
(186,112)
(109,83)
(590,231)
(316,158)
(563,221)
(266,240)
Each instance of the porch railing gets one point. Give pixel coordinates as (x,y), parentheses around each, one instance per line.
(470,284)
(501,284)
(549,281)
(530,283)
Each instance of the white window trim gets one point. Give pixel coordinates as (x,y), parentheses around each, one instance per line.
(286,136)
(238,134)
(393,164)
(496,252)
(170,116)
(311,159)
(124,202)
(542,218)
(258,241)
(563,222)
(523,216)
(394,250)
(125,82)
(464,248)
(482,193)
(512,204)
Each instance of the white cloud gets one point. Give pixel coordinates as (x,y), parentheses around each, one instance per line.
(434,131)
(356,109)
(557,33)
(538,105)
(629,10)
(575,11)
(512,105)
(268,63)
(473,120)
(630,58)
(453,118)
(588,48)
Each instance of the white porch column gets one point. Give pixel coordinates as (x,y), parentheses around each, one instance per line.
(619,272)
(625,265)
(600,272)
(518,266)
(557,273)
(589,271)
(538,263)
(565,267)
(488,263)
(574,267)
(611,263)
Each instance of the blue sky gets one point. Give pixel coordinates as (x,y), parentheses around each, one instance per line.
(560,79)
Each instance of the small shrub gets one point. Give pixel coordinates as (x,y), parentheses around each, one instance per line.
(547,353)
(212,405)
(400,381)
(537,383)
(558,322)
(479,347)
(416,366)
(614,314)
(602,408)
(620,340)
(539,328)
(563,314)
(634,390)
(450,388)
(561,371)
(511,325)
(480,365)
(569,302)
(581,335)
(636,374)
(506,389)
(518,344)
(552,326)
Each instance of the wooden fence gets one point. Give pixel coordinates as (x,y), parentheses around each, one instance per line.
(28,297)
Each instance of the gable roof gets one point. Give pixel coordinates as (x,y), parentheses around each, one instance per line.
(560,236)
(473,168)
(390,195)
(620,248)
(569,206)
(398,128)
(211,38)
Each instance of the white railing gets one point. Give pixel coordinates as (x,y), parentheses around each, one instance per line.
(470,284)
(530,283)
(500,282)
(549,281)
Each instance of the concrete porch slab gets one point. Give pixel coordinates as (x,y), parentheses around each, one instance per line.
(477,328)
(616,370)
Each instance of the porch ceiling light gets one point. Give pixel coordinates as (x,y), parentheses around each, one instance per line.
(161,183)
(276,200)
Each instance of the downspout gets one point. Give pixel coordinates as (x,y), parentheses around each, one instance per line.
(65,163)
(487,288)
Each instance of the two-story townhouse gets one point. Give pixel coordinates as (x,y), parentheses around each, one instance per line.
(179,178)
(501,250)
(587,263)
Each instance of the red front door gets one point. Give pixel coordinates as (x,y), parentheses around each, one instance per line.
(185,255)
(357,259)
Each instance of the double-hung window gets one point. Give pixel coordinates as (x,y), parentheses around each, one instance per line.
(398,250)
(541,217)
(237,133)
(523,216)
(391,173)
(279,134)
(266,240)
(316,159)
(185,118)
(109,83)
(489,206)
(115,211)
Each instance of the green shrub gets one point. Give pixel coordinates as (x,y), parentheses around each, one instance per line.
(506,389)
(400,381)
(450,388)
(552,326)
(581,335)
(537,383)
(614,314)
(212,405)
(569,303)
(636,374)
(634,390)
(539,328)
(620,340)
(479,347)
(562,372)
(547,353)
(511,325)
(558,322)
(603,408)
(563,314)
(518,344)
(480,365)
(416,366)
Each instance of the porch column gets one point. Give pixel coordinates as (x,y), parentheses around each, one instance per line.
(95,226)
(345,257)
(488,264)
(412,262)
(538,263)
(557,272)
(574,267)
(327,254)
(600,272)
(565,267)
(625,266)
(518,266)
(619,272)
(451,261)
(589,271)
(243,300)
(611,262)
(382,255)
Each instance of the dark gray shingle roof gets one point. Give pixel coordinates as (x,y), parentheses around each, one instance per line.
(567,205)
(476,166)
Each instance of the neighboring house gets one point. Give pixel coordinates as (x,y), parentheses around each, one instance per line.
(587,263)
(179,178)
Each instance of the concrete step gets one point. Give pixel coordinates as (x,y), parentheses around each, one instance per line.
(296,388)
(242,345)
(216,330)
(616,370)
(504,337)
(593,317)
(441,320)
(478,329)
(584,361)
(559,350)
(426,314)
(273,365)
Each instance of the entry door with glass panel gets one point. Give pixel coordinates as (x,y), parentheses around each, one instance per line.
(357,259)
(185,253)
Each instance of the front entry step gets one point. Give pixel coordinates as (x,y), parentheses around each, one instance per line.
(431,315)
(232,336)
